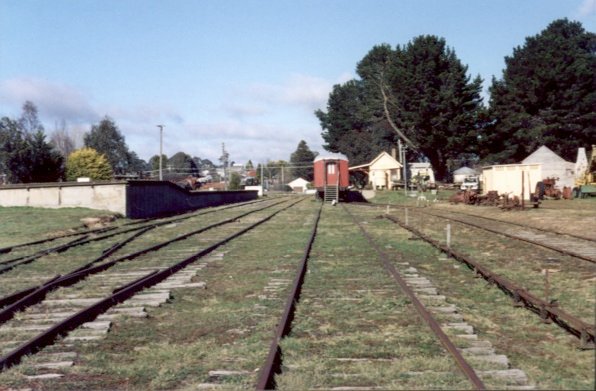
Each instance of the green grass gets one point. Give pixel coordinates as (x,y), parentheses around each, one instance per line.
(24,224)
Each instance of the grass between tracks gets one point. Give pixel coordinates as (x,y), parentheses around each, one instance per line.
(229,324)
(549,355)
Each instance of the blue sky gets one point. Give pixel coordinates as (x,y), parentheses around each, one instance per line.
(246,73)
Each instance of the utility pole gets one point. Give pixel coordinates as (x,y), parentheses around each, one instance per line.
(402,157)
(224,159)
(160,150)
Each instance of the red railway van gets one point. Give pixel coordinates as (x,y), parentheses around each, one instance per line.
(331,177)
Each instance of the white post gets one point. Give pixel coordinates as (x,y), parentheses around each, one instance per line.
(448,229)
(406,211)
(387,210)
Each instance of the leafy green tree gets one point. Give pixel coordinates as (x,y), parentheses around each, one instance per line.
(154,162)
(182,163)
(106,139)
(136,164)
(546,96)
(25,156)
(235,181)
(87,162)
(302,161)
(14,152)
(28,121)
(249,166)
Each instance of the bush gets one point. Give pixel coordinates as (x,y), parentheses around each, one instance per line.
(87,162)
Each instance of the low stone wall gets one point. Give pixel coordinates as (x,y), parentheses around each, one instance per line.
(155,198)
(134,199)
(96,195)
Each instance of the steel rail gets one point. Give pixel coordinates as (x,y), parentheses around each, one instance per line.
(461,362)
(34,295)
(492,219)
(546,310)
(545,245)
(23,260)
(5,250)
(536,243)
(118,295)
(272,366)
(186,215)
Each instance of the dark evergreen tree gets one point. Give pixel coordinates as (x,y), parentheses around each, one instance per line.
(419,93)
(25,156)
(106,139)
(546,96)
(46,163)
(302,161)
(346,127)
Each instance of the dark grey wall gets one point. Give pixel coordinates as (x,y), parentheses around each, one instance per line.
(146,199)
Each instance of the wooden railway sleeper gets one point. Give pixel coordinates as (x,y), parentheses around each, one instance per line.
(565,320)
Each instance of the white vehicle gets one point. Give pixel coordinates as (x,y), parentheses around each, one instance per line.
(471,182)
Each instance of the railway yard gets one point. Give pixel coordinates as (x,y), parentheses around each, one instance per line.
(289,293)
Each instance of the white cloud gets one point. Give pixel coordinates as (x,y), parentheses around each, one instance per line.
(54,100)
(586,8)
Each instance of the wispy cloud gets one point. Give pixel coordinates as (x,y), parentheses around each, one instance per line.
(586,8)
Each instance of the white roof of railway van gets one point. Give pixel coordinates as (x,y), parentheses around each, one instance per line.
(331,156)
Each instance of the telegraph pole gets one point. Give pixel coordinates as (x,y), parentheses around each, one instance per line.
(160,150)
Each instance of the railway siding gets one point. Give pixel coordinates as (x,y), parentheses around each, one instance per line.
(547,354)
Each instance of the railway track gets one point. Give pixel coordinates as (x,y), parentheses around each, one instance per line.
(410,283)
(578,246)
(547,310)
(352,324)
(108,284)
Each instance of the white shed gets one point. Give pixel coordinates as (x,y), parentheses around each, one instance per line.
(507,178)
(382,171)
(298,185)
(461,173)
(553,166)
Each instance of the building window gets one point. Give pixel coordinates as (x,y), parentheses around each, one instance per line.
(331,168)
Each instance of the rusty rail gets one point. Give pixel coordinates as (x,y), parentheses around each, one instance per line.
(545,245)
(461,362)
(272,366)
(118,295)
(546,310)
(33,295)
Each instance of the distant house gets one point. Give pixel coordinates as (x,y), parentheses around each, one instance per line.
(422,169)
(461,173)
(298,185)
(382,171)
(553,166)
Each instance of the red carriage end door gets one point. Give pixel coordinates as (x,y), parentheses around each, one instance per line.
(332,173)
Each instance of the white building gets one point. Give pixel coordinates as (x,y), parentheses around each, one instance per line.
(298,185)
(382,171)
(422,169)
(461,173)
(553,166)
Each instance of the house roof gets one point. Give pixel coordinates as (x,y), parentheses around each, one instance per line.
(543,155)
(419,165)
(298,182)
(382,155)
(464,171)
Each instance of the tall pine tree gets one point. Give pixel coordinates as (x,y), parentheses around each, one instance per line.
(546,96)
